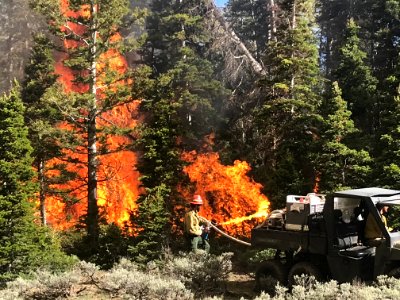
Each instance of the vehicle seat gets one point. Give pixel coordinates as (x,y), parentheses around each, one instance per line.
(358,251)
(346,233)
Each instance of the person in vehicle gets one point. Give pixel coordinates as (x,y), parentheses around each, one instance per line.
(373,234)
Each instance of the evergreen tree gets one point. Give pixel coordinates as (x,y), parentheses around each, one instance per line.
(387,154)
(180,106)
(152,215)
(388,160)
(377,20)
(24,245)
(185,102)
(358,85)
(40,115)
(89,30)
(366,53)
(159,166)
(245,18)
(286,131)
(253,22)
(338,165)
(176,50)
(332,19)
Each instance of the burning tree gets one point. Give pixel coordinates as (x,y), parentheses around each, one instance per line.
(39,84)
(182,101)
(95,76)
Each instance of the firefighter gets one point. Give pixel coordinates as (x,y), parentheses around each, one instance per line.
(196,232)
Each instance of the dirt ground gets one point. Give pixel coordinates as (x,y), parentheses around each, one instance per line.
(240,285)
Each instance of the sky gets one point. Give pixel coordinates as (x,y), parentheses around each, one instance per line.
(220,3)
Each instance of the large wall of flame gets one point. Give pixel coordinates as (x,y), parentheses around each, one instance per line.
(232,198)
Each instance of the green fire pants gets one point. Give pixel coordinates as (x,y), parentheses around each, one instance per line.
(197,242)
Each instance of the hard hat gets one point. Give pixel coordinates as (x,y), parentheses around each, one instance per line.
(197,200)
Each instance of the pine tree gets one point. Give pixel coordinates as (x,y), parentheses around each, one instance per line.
(176,50)
(286,131)
(152,215)
(24,245)
(388,159)
(159,166)
(253,22)
(89,30)
(40,115)
(332,20)
(185,99)
(366,53)
(358,85)
(377,22)
(338,165)
(180,107)
(387,155)
(245,18)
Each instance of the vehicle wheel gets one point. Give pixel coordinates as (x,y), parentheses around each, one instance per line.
(306,268)
(268,274)
(395,272)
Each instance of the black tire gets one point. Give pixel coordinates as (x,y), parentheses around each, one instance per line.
(306,268)
(395,272)
(268,274)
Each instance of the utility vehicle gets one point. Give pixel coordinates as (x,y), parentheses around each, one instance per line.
(324,237)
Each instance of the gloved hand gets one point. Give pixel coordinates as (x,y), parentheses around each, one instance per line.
(205,230)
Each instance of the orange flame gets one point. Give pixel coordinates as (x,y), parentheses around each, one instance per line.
(316,183)
(118,185)
(232,199)
(261,213)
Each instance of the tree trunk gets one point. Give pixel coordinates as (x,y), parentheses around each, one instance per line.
(92,210)
(272,30)
(42,196)
(294,25)
(257,67)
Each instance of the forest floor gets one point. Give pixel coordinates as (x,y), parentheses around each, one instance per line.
(240,285)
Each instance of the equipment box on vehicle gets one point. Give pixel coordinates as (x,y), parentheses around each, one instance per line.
(299,208)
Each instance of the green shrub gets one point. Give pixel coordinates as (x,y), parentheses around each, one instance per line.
(46,254)
(183,277)
(261,255)
(199,271)
(112,245)
(307,288)
(44,285)
(125,280)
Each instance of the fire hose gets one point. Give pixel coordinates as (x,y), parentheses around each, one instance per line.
(224,233)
